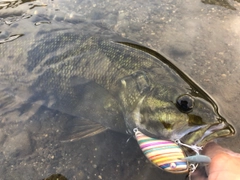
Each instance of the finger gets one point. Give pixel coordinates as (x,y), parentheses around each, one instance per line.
(211,149)
(225,163)
(214,151)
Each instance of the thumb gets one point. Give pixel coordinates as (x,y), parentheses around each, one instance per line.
(224,163)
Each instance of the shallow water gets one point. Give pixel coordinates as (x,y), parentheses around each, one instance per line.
(202,39)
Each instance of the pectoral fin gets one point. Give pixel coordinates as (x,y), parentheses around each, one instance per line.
(78,129)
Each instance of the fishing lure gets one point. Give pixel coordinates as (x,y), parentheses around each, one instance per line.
(165,154)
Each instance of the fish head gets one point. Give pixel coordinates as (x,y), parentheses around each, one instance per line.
(187,116)
(173,110)
(165,103)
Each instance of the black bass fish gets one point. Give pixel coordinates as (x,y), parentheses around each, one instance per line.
(115,82)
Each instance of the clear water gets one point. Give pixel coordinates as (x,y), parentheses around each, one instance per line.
(202,39)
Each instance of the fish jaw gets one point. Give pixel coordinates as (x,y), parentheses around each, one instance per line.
(216,131)
(202,136)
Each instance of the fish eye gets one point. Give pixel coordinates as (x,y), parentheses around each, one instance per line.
(185,103)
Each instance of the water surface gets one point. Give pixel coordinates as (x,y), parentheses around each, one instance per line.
(201,38)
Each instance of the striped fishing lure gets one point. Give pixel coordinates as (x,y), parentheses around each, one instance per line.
(164,154)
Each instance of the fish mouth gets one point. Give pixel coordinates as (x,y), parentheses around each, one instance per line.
(202,136)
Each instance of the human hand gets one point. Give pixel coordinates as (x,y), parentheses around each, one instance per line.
(225,164)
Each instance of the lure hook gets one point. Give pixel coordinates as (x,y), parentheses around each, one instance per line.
(193,147)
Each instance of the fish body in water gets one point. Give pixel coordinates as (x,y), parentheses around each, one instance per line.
(118,83)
